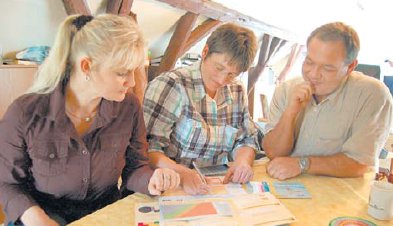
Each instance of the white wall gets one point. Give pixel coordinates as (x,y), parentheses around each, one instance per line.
(25,23)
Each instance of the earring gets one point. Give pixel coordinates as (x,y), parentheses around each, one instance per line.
(87,78)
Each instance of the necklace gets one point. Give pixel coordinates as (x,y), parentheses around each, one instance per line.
(85,119)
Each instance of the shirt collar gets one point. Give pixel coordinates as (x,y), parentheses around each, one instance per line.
(333,96)
(54,107)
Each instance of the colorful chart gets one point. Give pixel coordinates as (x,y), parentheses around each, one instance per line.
(350,221)
(188,211)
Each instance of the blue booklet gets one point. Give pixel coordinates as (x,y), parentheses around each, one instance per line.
(291,190)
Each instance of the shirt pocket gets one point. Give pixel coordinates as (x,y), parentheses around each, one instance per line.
(229,138)
(112,150)
(49,158)
(191,136)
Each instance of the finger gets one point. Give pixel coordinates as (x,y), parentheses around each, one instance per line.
(203,189)
(178,182)
(152,188)
(228,176)
(304,95)
(166,181)
(174,181)
(158,179)
(247,176)
(237,175)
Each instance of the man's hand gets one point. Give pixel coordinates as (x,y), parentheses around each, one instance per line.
(192,183)
(300,97)
(35,216)
(239,173)
(162,180)
(283,168)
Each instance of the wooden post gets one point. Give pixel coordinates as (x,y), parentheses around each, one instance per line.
(76,7)
(177,42)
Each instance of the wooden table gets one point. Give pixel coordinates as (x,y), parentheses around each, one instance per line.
(331,198)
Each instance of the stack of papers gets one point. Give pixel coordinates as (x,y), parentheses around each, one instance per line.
(214,210)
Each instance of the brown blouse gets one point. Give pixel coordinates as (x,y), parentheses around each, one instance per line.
(44,162)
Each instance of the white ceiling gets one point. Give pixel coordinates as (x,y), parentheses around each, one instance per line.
(371,18)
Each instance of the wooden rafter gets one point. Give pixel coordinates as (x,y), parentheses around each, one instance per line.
(177,42)
(199,33)
(113,6)
(219,12)
(76,7)
(121,7)
(125,7)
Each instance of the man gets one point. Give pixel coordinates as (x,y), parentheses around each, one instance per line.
(333,121)
(200,113)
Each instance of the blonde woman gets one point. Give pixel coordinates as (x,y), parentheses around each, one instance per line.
(64,145)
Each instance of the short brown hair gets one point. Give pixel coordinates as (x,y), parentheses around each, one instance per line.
(339,31)
(238,42)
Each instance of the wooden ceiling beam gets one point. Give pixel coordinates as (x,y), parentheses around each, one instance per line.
(121,7)
(76,7)
(219,12)
(177,42)
(113,6)
(125,8)
(199,33)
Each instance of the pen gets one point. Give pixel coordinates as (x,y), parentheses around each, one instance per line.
(199,173)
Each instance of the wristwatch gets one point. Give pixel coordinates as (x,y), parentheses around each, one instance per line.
(304,164)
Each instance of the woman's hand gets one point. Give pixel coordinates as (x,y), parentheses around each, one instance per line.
(192,183)
(162,180)
(35,216)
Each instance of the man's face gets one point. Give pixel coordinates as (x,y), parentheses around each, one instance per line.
(325,67)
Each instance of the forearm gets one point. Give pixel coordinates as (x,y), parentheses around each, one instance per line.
(35,216)
(280,140)
(245,154)
(160,160)
(338,165)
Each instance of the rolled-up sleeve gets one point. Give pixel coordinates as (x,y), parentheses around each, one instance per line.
(14,164)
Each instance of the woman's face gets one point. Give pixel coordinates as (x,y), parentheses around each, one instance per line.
(112,84)
(217,70)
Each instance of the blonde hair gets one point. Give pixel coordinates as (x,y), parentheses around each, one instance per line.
(110,40)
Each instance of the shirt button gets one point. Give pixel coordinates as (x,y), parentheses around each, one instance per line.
(84,152)
(51,156)
(84,180)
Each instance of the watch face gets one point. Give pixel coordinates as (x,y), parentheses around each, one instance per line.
(303,162)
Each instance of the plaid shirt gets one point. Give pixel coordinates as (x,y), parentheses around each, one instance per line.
(187,125)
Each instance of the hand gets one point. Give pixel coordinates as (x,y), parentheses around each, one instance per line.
(162,180)
(239,173)
(192,183)
(300,97)
(35,216)
(283,168)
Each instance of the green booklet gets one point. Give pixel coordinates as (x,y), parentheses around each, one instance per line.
(291,190)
